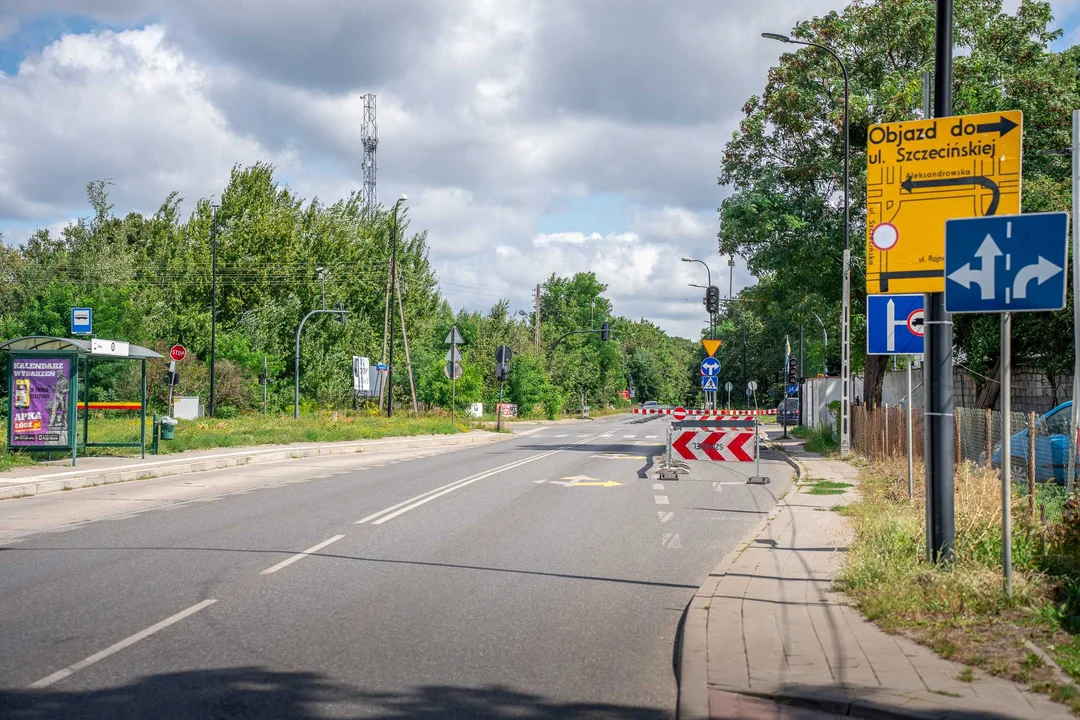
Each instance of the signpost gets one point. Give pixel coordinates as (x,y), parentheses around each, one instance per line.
(1021,263)
(678,414)
(894,324)
(503,355)
(178,352)
(82,321)
(751,389)
(453,368)
(728,386)
(924,172)
(711,346)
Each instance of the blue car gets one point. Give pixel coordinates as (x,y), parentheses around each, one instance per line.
(1051,448)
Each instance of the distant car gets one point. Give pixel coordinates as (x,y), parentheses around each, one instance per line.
(1051,448)
(787,412)
(650,405)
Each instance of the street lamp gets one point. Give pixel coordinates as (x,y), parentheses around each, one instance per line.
(213,309)
(845,320)
(393,289)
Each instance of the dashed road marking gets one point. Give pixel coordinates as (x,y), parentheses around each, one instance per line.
(658,486)
(671,542)
(664,516)
(300,555)
(661,500)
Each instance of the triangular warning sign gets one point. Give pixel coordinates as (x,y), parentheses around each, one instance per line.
(711,346)
(454,338)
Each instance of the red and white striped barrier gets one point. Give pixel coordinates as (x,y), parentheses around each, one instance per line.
(715,446)
(726,414)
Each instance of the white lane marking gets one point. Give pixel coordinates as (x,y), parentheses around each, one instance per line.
(671,542)
(665,516)
(583,435)
(300,555)
(418,500)
(629,436)
(651,437)
(559,436)
(658,486)
(117,647)
(661,499)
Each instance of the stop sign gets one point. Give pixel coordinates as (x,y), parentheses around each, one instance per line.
(178,352)
(679,414)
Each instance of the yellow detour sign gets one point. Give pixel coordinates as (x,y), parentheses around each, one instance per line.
(711,346)
(920,174)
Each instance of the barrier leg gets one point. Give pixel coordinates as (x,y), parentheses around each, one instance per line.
(757,476)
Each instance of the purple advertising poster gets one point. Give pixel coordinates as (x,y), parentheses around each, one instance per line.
(41,402)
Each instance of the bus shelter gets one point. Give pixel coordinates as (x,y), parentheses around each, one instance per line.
(44,375)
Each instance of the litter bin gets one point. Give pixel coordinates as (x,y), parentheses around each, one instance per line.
(168,428)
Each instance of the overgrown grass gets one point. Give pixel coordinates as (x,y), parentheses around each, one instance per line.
(207,434)
(802,432)
(826,487)
(821,440)
(960,608)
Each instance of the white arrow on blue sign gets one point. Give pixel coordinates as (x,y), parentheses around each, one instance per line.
(709,382)
(710,366)
(894,324)
(1007,263)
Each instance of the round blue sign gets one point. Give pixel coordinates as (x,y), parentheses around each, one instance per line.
(710,366)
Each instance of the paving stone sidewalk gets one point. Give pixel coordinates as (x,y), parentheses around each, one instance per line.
(768,626)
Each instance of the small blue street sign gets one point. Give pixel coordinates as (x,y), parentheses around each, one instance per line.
(708,382)
(894,324)
(793,389)
(82,321)
(710,366)
(1007,263)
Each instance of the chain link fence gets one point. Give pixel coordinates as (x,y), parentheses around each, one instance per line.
(1039,449)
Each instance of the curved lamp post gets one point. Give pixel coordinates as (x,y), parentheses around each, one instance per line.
(845,321)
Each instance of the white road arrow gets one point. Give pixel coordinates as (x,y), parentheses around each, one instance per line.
(984,276)
(1041,271)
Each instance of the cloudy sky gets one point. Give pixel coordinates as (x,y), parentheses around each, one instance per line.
(531,136)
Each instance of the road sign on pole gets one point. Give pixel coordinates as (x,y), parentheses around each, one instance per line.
(178,352)
(924,172)
(1010,263)
(709,382)
(82,321)
(679,414)
(710,366)
(711,346)
(453,368)
(894,325)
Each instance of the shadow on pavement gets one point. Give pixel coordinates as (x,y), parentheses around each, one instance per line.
(249,692)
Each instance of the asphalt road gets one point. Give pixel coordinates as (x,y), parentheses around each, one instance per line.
(510,580)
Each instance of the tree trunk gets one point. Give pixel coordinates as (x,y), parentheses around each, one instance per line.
(991,389)
(874,379)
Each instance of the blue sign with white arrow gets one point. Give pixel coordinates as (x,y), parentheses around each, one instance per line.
(1006,263)
(894,324)
(710,366)
(709,382)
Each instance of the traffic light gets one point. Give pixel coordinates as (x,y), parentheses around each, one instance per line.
(712,299)
(503,355)
(793,371)
(605,332)
(341,313)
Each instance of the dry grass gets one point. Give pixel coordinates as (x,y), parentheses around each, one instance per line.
(960,609)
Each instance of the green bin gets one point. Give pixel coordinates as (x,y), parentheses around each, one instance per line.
(168,429)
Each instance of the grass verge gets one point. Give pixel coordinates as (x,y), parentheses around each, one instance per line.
(207,434)
(959,609)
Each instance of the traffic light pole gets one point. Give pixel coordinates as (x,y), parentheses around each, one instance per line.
(296,371)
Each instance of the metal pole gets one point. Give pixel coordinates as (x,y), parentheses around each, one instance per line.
(296,368)
(213,308)
(142,411)
(453,394)
(1075,415)
(265,381)
(910,450)
(393,289)
(928,497)
(845,351)
(498,409)
(1006,450)
(938,376)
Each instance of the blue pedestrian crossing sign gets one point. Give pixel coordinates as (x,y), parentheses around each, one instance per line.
(1006,263)
(710,366)
(709,382)
(894,324)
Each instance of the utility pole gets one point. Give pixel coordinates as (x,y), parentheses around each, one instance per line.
(405,341)
(1075,414)
(213,307)
(393,282)
(938,370)
(385,321)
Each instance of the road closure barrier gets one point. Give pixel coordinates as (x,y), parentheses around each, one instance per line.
(713,438)
(732,414)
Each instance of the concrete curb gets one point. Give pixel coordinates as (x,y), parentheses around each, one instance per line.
(693,702)
(54,482)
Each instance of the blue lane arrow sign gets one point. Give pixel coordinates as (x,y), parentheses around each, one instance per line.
(710,366)
(1006,263)
(708,382)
